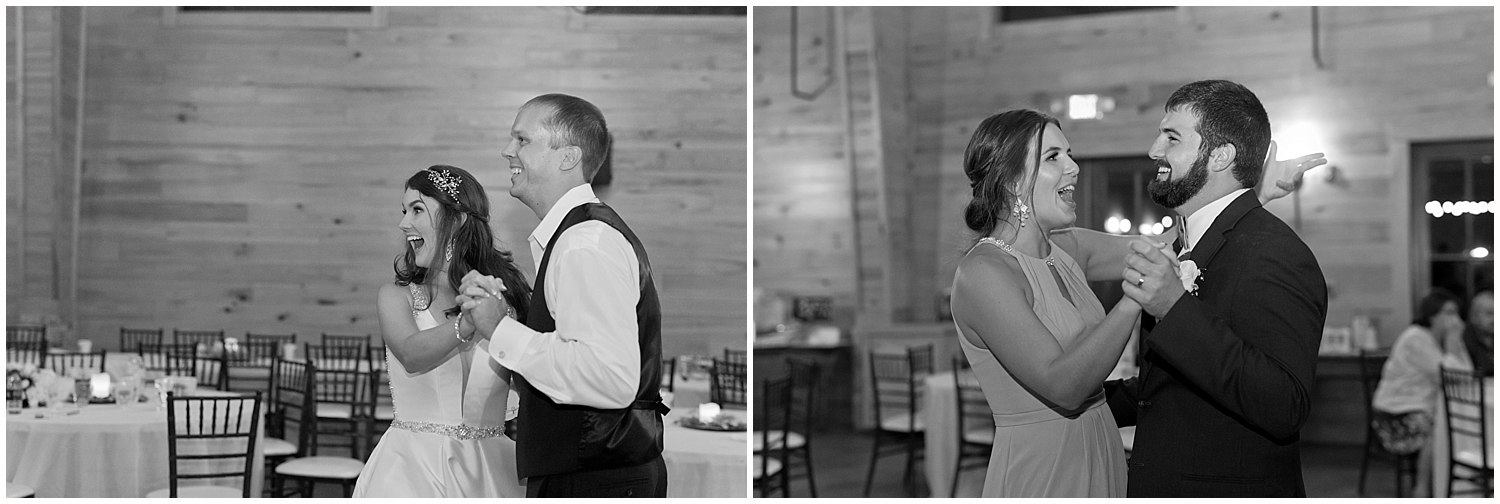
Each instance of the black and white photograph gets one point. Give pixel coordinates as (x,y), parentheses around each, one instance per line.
(462,252)
(1123,251)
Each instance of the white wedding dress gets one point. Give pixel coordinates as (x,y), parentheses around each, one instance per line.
(447,439)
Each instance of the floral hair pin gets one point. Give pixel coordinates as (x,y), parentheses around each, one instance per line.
(444,180)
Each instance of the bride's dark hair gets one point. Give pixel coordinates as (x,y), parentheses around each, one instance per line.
(474,246)
(995,162)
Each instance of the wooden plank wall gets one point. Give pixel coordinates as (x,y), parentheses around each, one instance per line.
(15,218)
(248,178)
(1390,76)
(44,48)
(805,241)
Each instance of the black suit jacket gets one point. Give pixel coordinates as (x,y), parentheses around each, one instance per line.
(1226,375)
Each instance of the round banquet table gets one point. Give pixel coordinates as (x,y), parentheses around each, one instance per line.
(105,450)
(704,463)
(689,393)
(940,413)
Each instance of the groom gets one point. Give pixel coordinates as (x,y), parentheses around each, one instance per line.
(587,361)
(1227,373)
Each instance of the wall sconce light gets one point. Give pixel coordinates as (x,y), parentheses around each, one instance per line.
(1083,106)
(1089,106)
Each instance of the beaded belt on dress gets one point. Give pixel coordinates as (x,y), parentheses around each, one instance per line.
(460,432)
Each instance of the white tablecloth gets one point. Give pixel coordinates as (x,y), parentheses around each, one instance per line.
(689,393)
(104,451)
(705,463)
(1440,441)
(940,408)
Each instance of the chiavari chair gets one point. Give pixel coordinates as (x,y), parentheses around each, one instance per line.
(899,428)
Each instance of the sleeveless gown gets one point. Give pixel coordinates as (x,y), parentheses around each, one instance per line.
(1042,450)
(447,439)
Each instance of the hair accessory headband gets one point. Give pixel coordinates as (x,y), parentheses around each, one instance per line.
(445,180)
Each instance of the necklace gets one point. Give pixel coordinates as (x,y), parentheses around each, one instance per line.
(1006,247)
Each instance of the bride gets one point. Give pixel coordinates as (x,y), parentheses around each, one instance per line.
(447,439)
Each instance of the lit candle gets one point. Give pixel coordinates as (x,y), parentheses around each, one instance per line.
(99,385)
(707,412)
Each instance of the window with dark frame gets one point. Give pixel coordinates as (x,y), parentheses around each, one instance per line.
(1453,185)
(280,9)
(294,16)
(668,11)
(1034,12)
(1111,189)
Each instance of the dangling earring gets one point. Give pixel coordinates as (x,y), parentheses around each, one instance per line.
(1023,212)
(448,255)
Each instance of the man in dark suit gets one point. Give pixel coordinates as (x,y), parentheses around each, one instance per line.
(1227,371)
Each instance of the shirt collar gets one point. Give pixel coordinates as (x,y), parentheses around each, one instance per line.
(1199,221)
(578,195)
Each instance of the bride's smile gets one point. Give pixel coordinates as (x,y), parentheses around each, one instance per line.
(417,225)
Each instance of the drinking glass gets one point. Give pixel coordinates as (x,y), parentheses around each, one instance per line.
(163,385)
(124,392)
(57,397)
(81,391)
(13,396)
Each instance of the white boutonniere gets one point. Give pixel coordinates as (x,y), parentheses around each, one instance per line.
(1188,272)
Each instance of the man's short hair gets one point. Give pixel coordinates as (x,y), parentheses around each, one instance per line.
(574,121)
(1228,113)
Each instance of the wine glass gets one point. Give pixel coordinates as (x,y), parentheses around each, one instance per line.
(163,385)
(124,392)
(57,397)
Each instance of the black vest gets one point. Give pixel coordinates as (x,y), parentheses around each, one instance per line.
(566,438)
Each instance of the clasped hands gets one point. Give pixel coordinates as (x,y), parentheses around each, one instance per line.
(1151,278)
(483,308)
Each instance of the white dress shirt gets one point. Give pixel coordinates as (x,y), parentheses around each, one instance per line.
(593,358)
(1198,222)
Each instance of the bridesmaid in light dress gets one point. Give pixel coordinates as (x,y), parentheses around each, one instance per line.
(1039,341)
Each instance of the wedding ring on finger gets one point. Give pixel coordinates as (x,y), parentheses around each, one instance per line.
(1140,281)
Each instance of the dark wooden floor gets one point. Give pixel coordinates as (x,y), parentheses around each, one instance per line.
(841,460)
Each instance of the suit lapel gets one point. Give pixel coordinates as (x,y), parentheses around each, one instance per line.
(1203,254)
(1213,239)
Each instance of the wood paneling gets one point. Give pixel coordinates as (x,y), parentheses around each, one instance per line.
(44,77)
(1389,76)
(805,241)
(247,178)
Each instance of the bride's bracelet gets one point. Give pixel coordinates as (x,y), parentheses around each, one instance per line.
(458,334)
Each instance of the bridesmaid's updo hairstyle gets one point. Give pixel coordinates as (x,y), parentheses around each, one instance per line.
(995,162)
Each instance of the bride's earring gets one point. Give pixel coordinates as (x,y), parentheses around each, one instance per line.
(448,255)
(1023,212)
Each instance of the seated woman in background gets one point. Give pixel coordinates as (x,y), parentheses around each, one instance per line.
(1410,386)
(1479,337)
